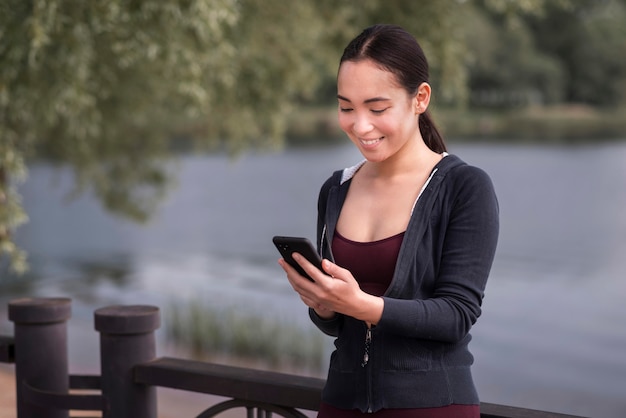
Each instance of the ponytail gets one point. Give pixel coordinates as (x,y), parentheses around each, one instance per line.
(430,133)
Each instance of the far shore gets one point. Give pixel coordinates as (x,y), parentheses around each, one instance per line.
(565,123)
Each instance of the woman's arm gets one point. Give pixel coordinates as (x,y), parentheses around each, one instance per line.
(469,242)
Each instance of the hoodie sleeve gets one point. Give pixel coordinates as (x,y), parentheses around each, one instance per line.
(327,326)
(460,258)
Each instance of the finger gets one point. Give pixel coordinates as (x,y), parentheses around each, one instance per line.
(308,302)
(297,281)
(311,303)
(313,272)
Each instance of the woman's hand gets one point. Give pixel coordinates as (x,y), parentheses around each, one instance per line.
(334,290)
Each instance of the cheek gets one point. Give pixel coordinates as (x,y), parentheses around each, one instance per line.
(386,124)
(344,121)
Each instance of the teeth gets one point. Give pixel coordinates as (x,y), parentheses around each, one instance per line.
(372,141)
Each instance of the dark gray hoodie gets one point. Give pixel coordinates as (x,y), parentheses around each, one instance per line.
(418,352)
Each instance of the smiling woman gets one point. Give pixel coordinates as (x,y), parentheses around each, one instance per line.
(408,237)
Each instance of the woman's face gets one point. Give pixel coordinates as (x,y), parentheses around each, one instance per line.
(378,115)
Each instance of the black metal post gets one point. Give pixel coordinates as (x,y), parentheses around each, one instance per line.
(126,340)
(40,351)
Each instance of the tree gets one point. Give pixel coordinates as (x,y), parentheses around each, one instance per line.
(589,38)
(505,69)
(85,82)
(563,51)
(101,87)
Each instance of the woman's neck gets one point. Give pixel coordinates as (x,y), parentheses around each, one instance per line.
(414,158)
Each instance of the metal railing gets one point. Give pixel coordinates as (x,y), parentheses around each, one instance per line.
(131,372)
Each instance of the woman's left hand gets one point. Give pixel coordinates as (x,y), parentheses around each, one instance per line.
(334,290)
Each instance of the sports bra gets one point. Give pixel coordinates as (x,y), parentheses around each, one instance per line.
(371,263)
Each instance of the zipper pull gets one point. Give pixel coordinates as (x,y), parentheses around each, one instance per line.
(368,341)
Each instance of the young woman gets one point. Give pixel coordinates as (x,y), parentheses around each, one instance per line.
(408,237)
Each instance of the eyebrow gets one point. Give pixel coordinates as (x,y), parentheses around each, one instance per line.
(372,100)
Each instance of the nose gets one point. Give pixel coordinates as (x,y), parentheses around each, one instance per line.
(362,124)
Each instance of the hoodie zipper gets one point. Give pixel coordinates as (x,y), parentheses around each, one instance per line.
(368,344)
(366,359)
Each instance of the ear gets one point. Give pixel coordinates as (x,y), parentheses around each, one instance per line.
(422,98)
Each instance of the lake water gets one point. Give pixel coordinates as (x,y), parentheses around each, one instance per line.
(552,334)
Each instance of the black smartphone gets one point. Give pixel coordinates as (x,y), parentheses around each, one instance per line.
(288,245)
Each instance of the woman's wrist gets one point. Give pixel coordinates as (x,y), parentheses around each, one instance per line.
(371,309)
(324,313)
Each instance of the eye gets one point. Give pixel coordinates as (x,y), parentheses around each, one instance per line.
(378,111)
(345,109)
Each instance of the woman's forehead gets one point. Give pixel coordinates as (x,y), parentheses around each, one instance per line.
(365,79)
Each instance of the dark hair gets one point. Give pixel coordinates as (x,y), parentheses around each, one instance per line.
(397,51)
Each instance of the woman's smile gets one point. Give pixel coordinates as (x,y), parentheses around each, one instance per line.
(370,142)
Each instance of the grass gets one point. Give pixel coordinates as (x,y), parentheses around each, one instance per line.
(247,338)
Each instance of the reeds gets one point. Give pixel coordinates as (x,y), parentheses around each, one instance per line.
(242,336)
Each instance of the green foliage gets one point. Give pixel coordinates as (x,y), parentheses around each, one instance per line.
(275,60)
(89,83)
(505,69)
(590,40)
(560,51)
(12,214)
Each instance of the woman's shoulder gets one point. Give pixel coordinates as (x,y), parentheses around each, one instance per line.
(333,181)
(460,171)
(466,182)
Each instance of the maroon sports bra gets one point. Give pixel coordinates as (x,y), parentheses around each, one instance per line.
(371,263)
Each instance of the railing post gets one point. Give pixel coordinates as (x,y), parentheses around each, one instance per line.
(40,351)
(126,340)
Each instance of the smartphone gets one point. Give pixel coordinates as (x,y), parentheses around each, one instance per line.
(288,245)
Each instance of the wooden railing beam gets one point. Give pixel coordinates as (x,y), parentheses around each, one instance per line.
(235,382)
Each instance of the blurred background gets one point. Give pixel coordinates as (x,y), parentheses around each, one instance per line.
(149,151)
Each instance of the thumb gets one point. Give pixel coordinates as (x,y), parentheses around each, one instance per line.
(328,267)
(332,269)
